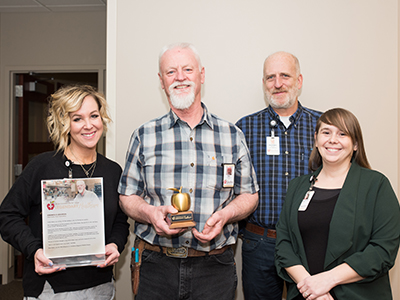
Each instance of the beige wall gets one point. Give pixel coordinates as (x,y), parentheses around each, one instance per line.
(43,41)
(348,52)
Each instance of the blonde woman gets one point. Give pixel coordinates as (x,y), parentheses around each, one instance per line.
(76,121)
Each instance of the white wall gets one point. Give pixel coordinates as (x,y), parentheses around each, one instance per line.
(348,51)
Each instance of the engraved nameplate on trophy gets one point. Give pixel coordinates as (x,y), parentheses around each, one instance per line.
(183,218)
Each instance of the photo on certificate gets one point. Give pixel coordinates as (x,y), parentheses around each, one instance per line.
(73,221)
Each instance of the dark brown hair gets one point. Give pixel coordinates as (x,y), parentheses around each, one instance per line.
(348,123)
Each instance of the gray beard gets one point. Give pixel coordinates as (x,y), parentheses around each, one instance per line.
(288,103)
(277,105)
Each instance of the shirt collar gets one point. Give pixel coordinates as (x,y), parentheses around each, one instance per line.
(206,118)
(293,118)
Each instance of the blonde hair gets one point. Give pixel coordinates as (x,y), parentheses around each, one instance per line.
(66,100)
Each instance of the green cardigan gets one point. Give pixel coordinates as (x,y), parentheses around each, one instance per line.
(364,233)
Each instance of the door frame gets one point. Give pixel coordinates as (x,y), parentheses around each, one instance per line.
(7,151)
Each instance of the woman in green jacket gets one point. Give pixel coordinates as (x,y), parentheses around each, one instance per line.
(338,233)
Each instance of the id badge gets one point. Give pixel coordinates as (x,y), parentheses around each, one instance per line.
(306,201)
(228,179)
(273,145)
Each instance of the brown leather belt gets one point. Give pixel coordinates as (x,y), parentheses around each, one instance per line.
(176,252)
(271,233)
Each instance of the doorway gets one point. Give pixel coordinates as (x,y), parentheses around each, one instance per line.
(29,130)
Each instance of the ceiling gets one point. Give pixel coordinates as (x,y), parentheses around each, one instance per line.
(30,6)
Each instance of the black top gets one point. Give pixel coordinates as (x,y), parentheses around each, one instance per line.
(24,200)
(314,227)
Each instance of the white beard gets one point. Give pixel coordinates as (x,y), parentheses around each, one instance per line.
(181,101)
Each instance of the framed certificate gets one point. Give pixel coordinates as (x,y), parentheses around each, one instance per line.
(73,221)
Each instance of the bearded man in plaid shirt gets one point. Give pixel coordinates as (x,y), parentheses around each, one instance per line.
(207,156)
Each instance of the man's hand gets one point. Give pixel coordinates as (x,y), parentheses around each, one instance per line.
(139,210)
(159,219)
(236,210)
(212,228)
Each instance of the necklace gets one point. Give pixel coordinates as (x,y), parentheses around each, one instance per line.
(92,167)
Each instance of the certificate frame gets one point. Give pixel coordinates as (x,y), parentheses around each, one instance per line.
(73,221)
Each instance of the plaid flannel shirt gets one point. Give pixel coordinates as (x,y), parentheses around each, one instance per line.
(166,153)
(275,171)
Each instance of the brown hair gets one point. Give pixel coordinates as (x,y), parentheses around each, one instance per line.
(66,100)
(348,123)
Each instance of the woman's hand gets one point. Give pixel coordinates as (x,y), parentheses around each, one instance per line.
(43,265)
(320,284)
(325,297)
(315,286)
(112,255)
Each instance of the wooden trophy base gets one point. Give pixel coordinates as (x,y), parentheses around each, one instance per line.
(182,219)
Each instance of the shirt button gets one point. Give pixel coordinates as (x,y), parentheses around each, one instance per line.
(191,139)
(187,242)
(286,173)
(286,132)
(190,190)
(192,164)
(286,152)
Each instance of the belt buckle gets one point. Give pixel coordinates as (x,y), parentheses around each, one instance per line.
(181,252)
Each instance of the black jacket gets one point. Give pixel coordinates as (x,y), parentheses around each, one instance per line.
(24,200)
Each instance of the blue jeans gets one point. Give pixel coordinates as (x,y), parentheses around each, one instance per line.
(192,278)
(259,276)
